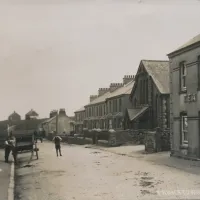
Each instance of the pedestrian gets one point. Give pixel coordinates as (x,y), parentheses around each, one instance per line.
(35,136)
(57,140)
(10,145)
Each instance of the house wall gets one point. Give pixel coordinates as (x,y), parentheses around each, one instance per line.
(158,115)
(63,125)
(178,105)
(95,111)
(14,117)
(125,103)
(79,119)
(151,97)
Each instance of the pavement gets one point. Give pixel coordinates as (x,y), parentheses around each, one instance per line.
(84,173)
(6,174)
(161,158)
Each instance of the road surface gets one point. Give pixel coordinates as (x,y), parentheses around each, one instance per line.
(90,174)
(4,176)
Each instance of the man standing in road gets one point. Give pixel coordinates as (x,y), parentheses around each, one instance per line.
(10,144)
(57,141)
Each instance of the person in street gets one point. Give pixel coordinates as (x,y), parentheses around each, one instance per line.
(57,140)
(10,146)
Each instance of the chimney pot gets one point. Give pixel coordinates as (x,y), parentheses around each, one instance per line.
(128,78)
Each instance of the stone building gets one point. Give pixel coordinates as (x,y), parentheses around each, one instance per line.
(185,107)
(31,115)
(106,110)
(95,111)
(118,102)
(79,120)
(14,117)
(59,123)
(149,97)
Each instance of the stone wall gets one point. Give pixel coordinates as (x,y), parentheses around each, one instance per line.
(165,140)
(78,140)
(150,141)
(157,140)
(118,137)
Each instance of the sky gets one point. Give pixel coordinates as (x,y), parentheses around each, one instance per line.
(56,53)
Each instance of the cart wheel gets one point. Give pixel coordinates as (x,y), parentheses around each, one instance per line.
(37,154)
(36,151)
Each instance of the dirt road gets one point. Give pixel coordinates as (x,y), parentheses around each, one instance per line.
(89,174)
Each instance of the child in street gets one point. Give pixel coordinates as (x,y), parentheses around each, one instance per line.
(57,140)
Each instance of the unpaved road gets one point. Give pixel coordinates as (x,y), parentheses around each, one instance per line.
(89,174)
(4,176)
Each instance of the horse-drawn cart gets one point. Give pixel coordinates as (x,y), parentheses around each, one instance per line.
(26,143)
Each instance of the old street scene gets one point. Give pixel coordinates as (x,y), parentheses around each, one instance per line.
(100,100)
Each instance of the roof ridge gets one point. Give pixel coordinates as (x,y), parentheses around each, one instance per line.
(155,60)
(99,97)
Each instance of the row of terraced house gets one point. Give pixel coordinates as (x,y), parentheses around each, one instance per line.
(141,101)
(162,94)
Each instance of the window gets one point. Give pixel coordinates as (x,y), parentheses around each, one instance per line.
(135,103)
(114,123)
(198,72)
(120,105)
(156,111)
(144,92)
(184,128)
(140,91)
(113,105)
(147,91)
(110,124)
(90,112)
(183,73)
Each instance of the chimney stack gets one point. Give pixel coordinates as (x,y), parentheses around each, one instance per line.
(114,86)
(102,91)
(93,97)
(62,112)
(128,78)
(53,113)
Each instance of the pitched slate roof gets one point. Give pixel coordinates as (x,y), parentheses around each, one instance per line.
(81,109)
(14,114)
(192,41)
(32,113)
(136,112)
(126,89)
(159,71)
(100,99)
(3,125)
(48,120)
(29,124)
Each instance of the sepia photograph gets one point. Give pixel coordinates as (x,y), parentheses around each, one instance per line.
(100,99)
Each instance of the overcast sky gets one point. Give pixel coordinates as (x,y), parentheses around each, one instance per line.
(54,55)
